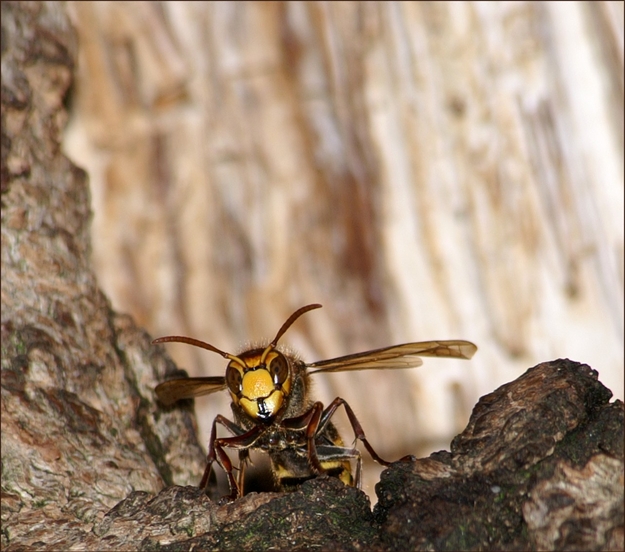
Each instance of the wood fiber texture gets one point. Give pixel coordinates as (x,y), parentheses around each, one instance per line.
(423,170)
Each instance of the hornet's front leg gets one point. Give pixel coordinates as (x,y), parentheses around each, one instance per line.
(241,441)
(309,421)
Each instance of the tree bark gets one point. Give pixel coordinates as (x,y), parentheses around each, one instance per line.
(80,429)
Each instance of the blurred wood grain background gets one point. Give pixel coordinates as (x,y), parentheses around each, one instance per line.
(423,170)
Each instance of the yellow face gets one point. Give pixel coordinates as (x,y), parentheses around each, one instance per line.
(259,388)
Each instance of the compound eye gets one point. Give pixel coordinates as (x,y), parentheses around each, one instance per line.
(233,379)
(279,369)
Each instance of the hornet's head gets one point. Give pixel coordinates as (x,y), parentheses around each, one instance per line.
(260,382)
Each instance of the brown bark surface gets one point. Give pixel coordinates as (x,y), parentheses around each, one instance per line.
(90,461)
(80,430)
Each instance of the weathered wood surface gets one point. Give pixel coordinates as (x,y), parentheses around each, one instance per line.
(86,452)
(423,170)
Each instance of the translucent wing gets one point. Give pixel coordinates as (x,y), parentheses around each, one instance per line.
(397,356)
(186,388)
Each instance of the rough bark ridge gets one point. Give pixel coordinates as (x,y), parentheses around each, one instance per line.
(80,430)
(85,449)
